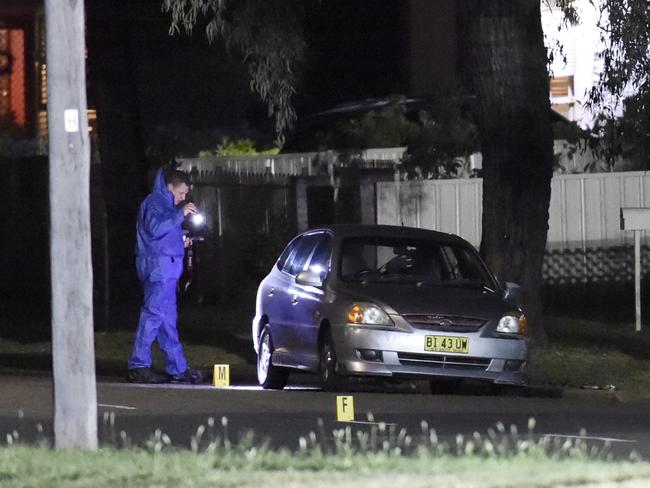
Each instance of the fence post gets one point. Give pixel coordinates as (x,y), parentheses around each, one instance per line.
(636,219)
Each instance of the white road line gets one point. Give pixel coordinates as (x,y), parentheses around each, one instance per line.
(589,438)
(119,407)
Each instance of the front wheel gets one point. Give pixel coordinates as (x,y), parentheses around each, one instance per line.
(270,377)
(327,364)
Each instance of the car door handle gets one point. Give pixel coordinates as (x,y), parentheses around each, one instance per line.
(271,292)
(294,299)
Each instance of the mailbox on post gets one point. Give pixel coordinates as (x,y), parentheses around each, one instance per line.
(637,220)
(633,218)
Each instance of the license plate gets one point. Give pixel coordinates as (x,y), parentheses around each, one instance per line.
(435,343)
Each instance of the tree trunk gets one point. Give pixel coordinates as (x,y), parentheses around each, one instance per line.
(75,395)
(505,67)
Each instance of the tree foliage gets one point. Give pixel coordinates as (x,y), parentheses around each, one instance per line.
(625,33)
(438,133)
(238,147)
(385,127)
(269,36)
(626,66)
(623,80)
(445,137)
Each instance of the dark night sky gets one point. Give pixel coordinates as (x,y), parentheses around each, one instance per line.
(357,49)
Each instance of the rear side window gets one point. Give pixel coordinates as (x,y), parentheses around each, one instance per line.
(287,252)
(299,255)
(320,260)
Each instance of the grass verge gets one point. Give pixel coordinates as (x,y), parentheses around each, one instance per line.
(115,347)
(497,460)
(585,353)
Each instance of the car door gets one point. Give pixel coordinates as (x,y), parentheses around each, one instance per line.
(307,301)
(285,298)
(273,294)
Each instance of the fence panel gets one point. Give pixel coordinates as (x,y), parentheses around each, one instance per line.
(584,243)
(584,210)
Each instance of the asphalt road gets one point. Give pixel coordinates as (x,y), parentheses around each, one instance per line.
(284,416)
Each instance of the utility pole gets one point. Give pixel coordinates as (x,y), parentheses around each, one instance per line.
(73,354)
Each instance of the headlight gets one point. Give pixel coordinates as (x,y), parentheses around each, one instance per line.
(513,324)
(368,314)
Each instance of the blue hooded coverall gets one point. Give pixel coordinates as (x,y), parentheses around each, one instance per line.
(159,263)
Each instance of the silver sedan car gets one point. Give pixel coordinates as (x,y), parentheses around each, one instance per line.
(383,301)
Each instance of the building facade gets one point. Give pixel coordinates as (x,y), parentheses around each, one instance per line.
(22,66)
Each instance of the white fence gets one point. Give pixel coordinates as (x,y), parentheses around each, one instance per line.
(584,211)
(281,164)
(585,243)
(295,164)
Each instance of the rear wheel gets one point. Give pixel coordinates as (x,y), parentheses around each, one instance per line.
(270,377)
(327,365)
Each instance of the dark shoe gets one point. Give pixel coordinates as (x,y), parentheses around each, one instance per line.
(145,376)
(189,377)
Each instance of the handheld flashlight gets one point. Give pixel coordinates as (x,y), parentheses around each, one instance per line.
(198,219)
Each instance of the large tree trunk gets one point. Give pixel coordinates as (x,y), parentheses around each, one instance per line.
(112,76)
(75,396)
(505,67)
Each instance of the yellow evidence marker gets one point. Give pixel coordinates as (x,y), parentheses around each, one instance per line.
(222,375)
(344,408)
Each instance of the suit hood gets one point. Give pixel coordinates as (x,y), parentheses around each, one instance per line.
(160,187)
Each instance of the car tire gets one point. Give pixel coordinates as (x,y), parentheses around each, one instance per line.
(270,377)
(327,363)
(444,386)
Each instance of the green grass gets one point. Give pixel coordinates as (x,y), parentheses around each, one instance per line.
(210,335)
(577,367)
(499,459)
(115,347)
(585,353)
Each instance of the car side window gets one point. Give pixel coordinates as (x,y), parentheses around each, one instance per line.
(300,254)
(287,252)
(320,260)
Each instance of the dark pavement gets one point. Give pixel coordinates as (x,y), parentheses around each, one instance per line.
(284,416)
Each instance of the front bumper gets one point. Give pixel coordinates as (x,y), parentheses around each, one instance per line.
(499,360)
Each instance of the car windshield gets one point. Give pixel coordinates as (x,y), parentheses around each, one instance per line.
(422,262)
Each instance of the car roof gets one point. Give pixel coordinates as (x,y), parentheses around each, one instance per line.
(369,230)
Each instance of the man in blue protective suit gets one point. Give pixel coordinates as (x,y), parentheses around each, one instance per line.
(160,246)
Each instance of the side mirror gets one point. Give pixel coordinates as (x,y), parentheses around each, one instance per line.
(512,292)
(309,278)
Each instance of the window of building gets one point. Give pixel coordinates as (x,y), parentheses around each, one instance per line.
(561,86)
